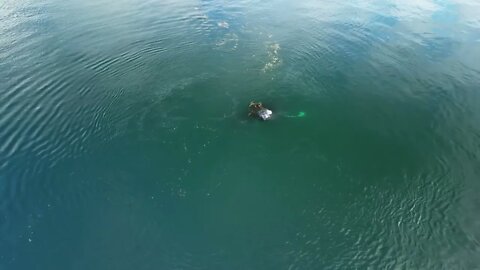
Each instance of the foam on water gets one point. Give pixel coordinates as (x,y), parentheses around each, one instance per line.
(273,57)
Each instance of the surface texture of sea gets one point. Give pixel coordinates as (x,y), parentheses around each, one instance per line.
(125,141)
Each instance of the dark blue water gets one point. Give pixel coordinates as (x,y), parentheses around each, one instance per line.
(125,141)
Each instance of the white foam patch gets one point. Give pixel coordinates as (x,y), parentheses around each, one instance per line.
(223,24)
(273,57)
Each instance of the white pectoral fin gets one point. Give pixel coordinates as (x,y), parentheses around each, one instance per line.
(265,114)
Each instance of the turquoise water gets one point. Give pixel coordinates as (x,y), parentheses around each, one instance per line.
(125,141)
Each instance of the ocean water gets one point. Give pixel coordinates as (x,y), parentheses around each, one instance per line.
(125,141)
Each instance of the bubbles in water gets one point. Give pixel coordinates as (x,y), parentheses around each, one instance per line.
(223,24)
(229,42)
(273,57)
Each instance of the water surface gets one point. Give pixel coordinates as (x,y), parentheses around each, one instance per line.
(125,141)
